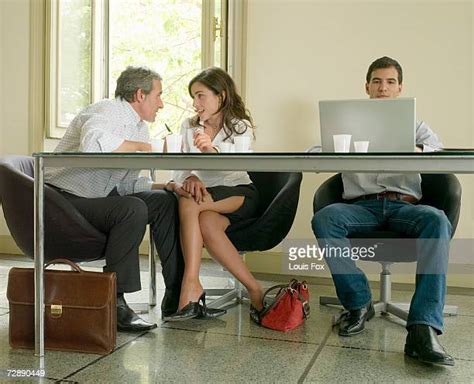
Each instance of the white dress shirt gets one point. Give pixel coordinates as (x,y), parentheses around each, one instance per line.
(101,127)
(359,184)
(213,178)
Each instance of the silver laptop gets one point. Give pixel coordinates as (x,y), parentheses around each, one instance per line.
(389,124)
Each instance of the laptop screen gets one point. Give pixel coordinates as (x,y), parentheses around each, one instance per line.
(388,124)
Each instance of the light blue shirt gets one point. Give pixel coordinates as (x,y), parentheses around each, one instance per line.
(101,127)
(359,184)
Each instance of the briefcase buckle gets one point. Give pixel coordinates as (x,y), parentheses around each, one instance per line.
(56,310)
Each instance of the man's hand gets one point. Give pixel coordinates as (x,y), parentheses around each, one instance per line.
(196,188)
(133,146)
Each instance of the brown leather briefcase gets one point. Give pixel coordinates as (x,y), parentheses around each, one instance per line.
(80,309)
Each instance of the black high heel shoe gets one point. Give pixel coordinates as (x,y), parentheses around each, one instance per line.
(208,313)
(256,315)
(189,311)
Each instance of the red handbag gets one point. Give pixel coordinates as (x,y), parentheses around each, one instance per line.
(290,307)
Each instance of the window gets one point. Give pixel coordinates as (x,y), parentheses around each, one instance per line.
(92,41)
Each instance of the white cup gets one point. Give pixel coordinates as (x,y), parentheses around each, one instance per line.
(173,142)
(226,147)
(361,146)
(157,145)
(242,143)
(342,143)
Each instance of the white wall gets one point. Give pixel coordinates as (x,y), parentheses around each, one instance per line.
(300,52)
(14,73)
(2,50)
(14,67)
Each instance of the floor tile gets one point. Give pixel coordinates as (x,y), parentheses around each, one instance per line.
(465,303)
(233,349)
(168,355)
(344,365)
(237,322)
(57,364)
(387,333)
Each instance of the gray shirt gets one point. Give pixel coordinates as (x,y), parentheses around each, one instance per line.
(359,184)
(101,127)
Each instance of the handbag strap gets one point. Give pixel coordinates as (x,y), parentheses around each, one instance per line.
(279,286)
(64,261)
(293,285)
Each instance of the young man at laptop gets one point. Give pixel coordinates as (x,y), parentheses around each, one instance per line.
(390,200)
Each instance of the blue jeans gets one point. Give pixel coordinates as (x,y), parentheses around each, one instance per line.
(333,224)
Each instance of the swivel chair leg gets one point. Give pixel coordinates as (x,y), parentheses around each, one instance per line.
(145,307)
(328,300)
(384,305)
(227,295)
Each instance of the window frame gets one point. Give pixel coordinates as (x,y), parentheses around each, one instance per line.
(43,100)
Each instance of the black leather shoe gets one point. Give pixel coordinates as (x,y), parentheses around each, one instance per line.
(422,343)
(353,322)
(189,311)
(129,321)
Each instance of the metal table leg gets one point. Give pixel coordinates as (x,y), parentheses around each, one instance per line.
(152,259)
(39,255)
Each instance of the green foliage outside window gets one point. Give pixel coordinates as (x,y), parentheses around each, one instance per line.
(74,57)
(164,35)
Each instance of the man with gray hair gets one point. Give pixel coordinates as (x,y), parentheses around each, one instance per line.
(119,202)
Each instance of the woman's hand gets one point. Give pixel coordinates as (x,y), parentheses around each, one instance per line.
(196,188)
(173,186)
(203,142)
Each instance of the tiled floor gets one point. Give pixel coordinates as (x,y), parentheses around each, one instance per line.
(231,349)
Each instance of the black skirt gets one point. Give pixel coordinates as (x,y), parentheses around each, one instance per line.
(247,210)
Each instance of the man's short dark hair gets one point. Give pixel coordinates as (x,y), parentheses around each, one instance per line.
(385,62)
(133,79)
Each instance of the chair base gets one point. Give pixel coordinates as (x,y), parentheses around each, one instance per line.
(384,305)
(141,308)
(227,295)
(385,308)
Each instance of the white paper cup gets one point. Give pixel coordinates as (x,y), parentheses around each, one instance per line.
(157,145)
(342,143)
(361,146)
(242,143)
(226,147)
(173,143)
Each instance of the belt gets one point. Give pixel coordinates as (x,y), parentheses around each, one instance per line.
(388,196)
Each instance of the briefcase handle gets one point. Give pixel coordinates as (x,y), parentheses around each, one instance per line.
(64,261)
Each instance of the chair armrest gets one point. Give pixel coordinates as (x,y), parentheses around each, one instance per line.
(329,192)
(442,191)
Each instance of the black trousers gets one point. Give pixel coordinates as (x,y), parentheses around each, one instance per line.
(123,219)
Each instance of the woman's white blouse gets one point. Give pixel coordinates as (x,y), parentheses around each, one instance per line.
(213,178)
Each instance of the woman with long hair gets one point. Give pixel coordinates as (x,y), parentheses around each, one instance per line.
(217,198)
